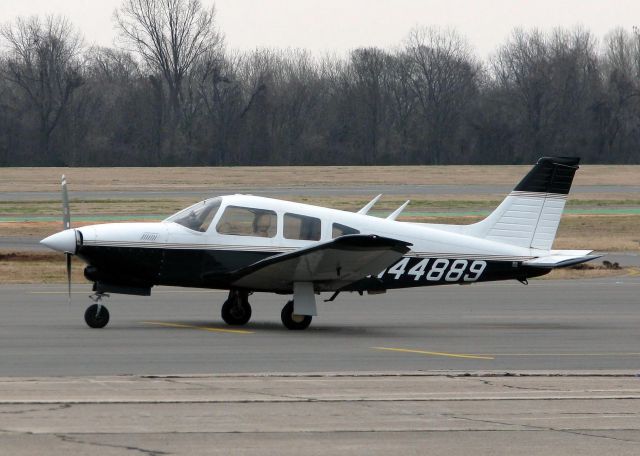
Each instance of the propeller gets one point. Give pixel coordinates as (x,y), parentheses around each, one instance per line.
(66,224)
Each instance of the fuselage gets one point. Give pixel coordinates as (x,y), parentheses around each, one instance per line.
(239,230)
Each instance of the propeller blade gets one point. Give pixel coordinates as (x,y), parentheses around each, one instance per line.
(66,224)
(68,255)
(66,213)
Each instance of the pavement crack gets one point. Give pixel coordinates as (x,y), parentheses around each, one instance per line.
(241,390)
(70,439)
(521,388)
(504,385)
(583,433)
(50,409)
(282,397)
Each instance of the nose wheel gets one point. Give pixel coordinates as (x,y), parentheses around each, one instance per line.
(292,321)
(97,316)
(236,310)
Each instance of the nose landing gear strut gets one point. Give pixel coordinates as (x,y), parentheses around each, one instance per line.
(97,315)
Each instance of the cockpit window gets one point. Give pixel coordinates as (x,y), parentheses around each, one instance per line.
(246,221)
(199,216)
(342,230)
(301,227)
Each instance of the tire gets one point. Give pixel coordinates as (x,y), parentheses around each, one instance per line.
(292,321)
(235,315)
(94,319)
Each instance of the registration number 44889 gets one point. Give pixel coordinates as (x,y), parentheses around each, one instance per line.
(435,270)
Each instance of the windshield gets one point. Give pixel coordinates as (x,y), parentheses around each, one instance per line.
(199,216)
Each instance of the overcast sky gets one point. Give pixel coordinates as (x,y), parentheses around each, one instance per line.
(341,25)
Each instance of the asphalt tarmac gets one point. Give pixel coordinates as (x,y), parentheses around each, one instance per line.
(585,325)
(451,414)
(500,369)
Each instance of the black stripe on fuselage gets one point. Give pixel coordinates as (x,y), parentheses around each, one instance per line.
(203,268)
(411,272)
(159,266)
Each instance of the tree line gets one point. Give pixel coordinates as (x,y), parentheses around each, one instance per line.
(171,93)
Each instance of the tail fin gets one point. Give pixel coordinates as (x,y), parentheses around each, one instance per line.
(530,214)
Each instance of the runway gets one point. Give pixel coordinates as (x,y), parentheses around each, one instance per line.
(587,325)
(501,368)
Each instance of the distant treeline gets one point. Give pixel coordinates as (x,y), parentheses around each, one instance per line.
(173,94)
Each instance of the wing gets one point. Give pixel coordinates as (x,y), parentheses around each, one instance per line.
(329,266)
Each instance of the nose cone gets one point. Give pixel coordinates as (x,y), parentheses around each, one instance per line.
(64,241)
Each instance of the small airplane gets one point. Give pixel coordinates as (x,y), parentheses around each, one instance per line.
(246,244)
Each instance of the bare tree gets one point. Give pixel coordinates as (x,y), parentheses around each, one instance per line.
(111,66)
(295,97)
(444,77)
(549,80)
(174,95)
(403,102)
(618,113)
(222,95)
(170,36)
(42,61)
(368,79)
(522,68)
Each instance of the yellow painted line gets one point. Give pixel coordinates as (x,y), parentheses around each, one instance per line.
(202,328)
(562,354)
(634,272)
(422,352)
(493,355)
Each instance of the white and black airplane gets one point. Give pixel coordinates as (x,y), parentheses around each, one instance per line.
(247,244)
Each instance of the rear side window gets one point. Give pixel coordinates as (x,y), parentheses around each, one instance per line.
(246,221)
(342,230)
(301,227)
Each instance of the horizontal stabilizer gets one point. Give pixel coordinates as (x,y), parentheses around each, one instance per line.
(334,264)
(561,259)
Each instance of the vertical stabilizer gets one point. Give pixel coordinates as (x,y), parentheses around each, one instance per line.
(530,214)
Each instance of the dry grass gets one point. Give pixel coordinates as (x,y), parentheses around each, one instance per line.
(592,270)
(108,179)
(37,230)
(606,233)
(571,274)
(162,208)
(32,267)
(94,207)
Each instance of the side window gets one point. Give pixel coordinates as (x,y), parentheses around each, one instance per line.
(245,221)
(342,230)
(301,227)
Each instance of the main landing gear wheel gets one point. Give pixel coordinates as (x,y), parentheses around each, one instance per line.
(236,310)
(96,316)
(293,321)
